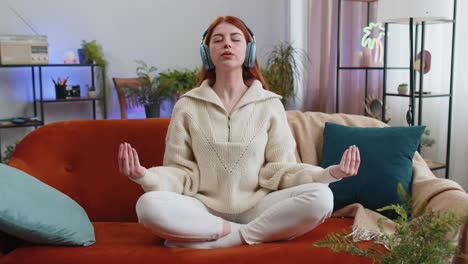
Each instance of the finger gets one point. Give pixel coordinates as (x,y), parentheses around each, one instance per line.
(134,161)
(358,160)
(125,170)
(347,168)
(353,164)
(119,157)
(130,158)
(137,162)
(343,158)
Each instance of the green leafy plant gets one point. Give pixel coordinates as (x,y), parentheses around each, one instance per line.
(178,81)
(9,151)
(284,66)
(428,238)
(94,53)
(150,91)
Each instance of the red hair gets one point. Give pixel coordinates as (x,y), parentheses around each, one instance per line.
(248,74)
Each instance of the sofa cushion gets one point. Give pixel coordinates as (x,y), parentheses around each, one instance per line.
(120,242)
(386,160)
(33,211)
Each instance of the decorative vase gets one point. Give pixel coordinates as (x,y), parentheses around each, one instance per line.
(357,59)
(81,56)
(402,89)
(366,57)
(152,110)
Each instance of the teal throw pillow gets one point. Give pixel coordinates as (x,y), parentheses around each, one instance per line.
(386,160)
(35,212)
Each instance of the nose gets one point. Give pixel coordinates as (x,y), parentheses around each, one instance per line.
(227,44)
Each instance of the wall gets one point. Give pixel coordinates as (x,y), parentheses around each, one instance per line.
(165,33)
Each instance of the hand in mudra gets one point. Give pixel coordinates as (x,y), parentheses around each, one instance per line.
(129,164)
(349,164)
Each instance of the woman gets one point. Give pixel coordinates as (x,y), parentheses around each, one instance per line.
(230,175)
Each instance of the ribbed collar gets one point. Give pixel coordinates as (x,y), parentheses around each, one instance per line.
(253,94)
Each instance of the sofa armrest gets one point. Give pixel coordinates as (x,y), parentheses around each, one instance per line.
(440,195)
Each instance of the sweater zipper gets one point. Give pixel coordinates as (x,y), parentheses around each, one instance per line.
(229,128)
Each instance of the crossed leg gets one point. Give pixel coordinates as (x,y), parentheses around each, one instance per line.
(281,215)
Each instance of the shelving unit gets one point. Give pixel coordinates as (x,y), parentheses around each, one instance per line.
(420,96)
(412,96)
(38,98)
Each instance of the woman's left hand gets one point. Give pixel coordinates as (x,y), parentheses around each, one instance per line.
(349,164)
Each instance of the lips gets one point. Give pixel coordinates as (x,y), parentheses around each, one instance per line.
(227,53)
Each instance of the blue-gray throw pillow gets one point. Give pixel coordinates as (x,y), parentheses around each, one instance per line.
(36,212)
(386,160)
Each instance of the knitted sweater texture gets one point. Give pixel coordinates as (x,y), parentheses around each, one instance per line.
(230,161)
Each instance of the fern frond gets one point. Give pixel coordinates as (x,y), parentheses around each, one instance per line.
(341,243)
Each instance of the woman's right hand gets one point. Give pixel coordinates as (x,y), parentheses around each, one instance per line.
(129,164)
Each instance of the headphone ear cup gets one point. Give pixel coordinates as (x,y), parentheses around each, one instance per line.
(206,58)
(250,53)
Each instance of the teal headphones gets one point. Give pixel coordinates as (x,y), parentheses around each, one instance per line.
(249,61)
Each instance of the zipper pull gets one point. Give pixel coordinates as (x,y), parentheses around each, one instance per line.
(229,128)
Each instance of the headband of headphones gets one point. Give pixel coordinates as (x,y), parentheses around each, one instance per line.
(248,29)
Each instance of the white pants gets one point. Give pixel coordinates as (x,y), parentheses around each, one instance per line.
(280,215)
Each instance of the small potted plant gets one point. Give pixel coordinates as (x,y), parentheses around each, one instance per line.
(91,91)
(403,88)
(150,94)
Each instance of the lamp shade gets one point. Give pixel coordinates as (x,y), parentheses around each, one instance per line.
(420,10)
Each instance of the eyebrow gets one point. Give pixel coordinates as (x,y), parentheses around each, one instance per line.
(221,35)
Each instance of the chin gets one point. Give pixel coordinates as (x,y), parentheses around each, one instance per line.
(228,66)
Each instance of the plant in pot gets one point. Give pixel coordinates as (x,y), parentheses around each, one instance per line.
(403,88)
(150,93)
(94,53)
(91,91)
(178,81)
(284,66)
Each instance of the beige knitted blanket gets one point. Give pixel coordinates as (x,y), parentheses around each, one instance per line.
(441,194)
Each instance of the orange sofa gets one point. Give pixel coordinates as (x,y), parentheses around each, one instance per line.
(79,158)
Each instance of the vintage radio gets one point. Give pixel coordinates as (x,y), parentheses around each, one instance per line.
(23,49)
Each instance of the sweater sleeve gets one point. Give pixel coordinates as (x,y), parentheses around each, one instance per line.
(281,169)
(179,172)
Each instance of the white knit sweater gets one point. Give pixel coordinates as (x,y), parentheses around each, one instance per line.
(230,161)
